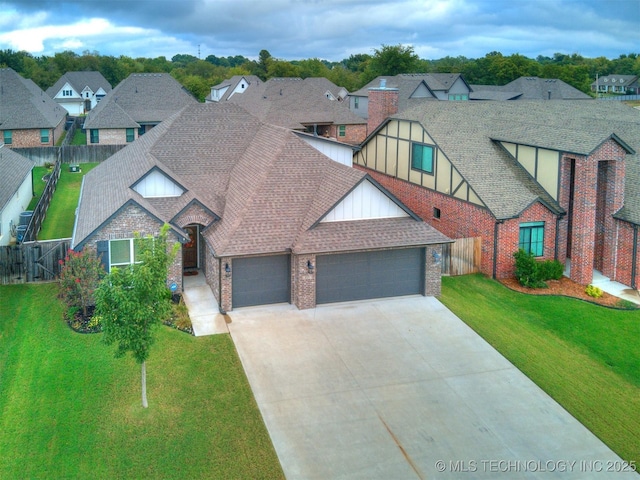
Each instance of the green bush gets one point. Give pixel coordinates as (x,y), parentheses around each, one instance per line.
(551,270)
(593,291)
(533,274)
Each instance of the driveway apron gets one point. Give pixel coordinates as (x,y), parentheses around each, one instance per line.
(401,388)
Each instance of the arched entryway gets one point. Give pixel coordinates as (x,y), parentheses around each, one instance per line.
(191,249)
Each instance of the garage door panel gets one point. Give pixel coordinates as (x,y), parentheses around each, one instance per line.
(363,275)
(261,281)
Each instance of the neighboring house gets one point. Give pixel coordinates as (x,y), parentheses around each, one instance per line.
(559,179)
(528,88)
(236,84)
(266,217)
(136,105)
(16,191)
(28,116)
(79,92)
(412,88)
(312,105)
(620,84)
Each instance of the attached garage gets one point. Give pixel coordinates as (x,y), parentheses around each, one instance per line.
(363,275)
(261,281)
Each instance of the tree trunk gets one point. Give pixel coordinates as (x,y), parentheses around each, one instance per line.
(145,404)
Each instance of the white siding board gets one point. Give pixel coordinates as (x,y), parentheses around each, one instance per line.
(366,201)
(156,184)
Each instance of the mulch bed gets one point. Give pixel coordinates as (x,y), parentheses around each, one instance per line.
(82,323)
(566,287)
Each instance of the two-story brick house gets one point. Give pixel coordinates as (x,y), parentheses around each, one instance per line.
(556,178)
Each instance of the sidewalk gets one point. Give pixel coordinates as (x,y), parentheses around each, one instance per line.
(206,318)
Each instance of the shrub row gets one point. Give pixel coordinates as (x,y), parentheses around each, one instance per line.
(534,274)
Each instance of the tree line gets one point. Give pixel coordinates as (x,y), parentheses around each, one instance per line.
(199,75)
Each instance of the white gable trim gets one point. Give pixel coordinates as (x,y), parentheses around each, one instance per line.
(157,185)
(364,202)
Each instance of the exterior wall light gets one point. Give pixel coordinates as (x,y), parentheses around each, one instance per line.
(227,270)
(310,266)
(436,257)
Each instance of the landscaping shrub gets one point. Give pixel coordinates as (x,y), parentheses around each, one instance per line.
(80,275)
(593,291)
(533,274)
(527,270)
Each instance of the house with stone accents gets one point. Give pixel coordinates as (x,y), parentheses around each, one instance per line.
(260,211)
(28,116)
(313,105)
(559,179)
(139,103)
(79,92)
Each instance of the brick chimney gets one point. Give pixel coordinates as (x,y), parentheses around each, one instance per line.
(383,102)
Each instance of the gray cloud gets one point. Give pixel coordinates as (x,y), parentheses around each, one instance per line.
(332,29)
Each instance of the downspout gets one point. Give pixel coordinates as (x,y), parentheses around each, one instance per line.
(634,257)
(220,286)
(495,248)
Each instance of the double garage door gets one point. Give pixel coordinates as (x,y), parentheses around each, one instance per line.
(339,278)
(363,275)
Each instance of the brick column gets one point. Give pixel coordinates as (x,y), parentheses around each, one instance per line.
(584,220)
(226,280)
(304,281)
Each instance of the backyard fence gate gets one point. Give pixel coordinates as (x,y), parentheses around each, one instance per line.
(462,256)
(32,261)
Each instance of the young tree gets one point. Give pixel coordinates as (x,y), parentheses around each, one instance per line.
(132,301)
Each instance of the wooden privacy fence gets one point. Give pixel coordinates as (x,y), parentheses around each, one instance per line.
(462,257)
(69,153)
(32,261)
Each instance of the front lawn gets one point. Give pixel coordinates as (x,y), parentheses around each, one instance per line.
(586,357)
(61,213)
(69,409)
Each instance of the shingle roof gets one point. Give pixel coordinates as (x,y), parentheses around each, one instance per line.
(467,133)
(23,105)
(294,103)
(268,186)
(15,168)
(145,97)
(80,80)
(529,88)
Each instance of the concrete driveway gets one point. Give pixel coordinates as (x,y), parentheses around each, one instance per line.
(401,388)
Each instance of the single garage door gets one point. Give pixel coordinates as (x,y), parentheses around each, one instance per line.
(358,276)
(260,281)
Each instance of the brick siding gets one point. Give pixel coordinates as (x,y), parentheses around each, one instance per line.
(31,137)
(111,136)
(383,102)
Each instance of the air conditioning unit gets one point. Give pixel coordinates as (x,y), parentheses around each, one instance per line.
(74,168)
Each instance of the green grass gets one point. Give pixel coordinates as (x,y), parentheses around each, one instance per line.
(61,213)
(585,356)
(79,137)
(69,409)
(38,185)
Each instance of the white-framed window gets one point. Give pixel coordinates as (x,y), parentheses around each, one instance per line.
(123,252)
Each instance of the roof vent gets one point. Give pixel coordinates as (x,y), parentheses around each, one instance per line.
(383,83)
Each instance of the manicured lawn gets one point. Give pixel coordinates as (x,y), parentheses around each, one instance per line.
(61,213)
(38,185)
(79,138)
(69,409)
(586,357)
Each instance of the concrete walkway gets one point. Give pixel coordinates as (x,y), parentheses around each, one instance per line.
(401,388)
(206,318)
(616,289)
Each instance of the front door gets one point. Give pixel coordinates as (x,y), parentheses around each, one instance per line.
(190,249)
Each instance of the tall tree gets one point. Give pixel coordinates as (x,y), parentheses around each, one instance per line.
(132,301)
(392,60)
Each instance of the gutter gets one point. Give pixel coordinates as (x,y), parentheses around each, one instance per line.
(495,248)
(75,221)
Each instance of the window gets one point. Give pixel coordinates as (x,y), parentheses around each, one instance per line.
(342,130)
(123,253)
(130,135)
(356,102)
(436,213)
(141,130)
(7,137)
(422,157)
(94,135)
(458,96)
(532,238)
(44,135)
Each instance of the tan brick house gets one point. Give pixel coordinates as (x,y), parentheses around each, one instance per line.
(28,116)
(265,216)
(559,179)
(139,103)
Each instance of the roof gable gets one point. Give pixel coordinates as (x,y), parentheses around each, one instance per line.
(15,169)
(155,183)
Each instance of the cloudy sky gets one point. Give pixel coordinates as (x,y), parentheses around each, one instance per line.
(328,29)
